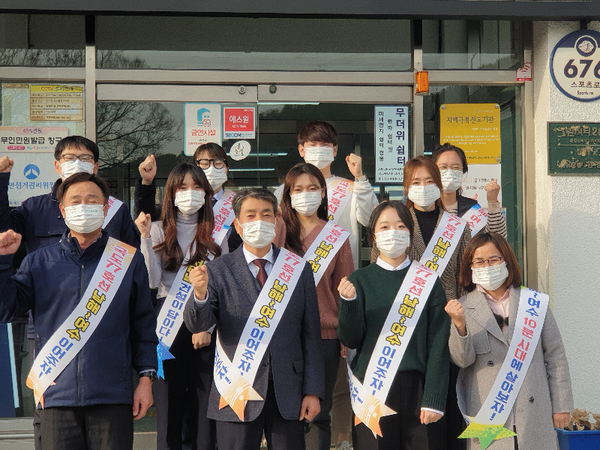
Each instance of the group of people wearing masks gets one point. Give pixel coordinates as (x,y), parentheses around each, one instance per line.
(266,325)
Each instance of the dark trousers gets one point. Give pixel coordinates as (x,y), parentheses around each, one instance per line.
(97,427)
(444,433)
(37,437)
(281,434)
(318,432)
(183,395)
(403,430)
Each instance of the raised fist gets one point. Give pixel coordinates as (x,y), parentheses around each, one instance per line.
(6,164)
(354,165)
(148,170)
(199,278)
(457,313)
(346,289)
(144,223)
(9,242)
(492,190)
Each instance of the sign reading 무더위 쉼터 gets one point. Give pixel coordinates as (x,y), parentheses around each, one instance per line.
(391,143)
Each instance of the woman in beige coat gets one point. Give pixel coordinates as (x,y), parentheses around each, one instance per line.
(482,328)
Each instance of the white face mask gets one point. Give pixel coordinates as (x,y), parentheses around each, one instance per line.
(392,243)
(451,180)
(318,156)
(424,196)
(84,218)
(69,168)
(491,277)
(258,234)
(190,201)
(216,177)
(306,203)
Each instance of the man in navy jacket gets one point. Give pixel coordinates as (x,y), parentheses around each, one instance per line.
(290,377)
(90,404)
(38,220)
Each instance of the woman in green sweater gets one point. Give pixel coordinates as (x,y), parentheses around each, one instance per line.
(418,391)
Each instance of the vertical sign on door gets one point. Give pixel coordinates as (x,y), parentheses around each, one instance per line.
(202,125)
(391,143)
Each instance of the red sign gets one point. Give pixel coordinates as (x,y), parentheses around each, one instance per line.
(239,123)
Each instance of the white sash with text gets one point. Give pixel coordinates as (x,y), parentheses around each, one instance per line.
(68,340)
(324,248)
(443,243)
(489,422)
(476,217)
(234,378)
(170,317)
(368,399)
(113,206)
(224,216)
(339,193)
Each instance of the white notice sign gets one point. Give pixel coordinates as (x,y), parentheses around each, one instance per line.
(391,143)
(478,176)
(202,125)
(32,174)
(30,139)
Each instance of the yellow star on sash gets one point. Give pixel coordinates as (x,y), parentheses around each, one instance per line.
(238,395)
(372,411)
(486,433)
(38,394)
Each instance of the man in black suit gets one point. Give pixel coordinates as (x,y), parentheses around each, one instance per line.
(289,379)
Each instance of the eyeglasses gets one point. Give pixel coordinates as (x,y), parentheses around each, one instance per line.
(86,157)
(454,167)
(205,163)
(493,261)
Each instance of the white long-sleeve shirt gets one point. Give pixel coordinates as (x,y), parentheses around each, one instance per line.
(186,231)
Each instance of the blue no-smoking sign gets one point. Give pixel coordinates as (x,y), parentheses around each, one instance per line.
(575,65)
(31,171)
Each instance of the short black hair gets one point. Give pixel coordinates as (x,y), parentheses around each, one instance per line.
(81,177)
(214,150)
(318,131)
(77,142)
(258,193)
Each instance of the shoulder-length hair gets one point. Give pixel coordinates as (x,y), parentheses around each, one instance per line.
(402,211)
(466,274)
(411,168)
(172,252)
(293,228)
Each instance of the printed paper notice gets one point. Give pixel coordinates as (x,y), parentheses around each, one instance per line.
(478,176)
(49,103)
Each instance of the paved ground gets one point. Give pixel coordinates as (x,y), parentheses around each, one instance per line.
(17,434)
